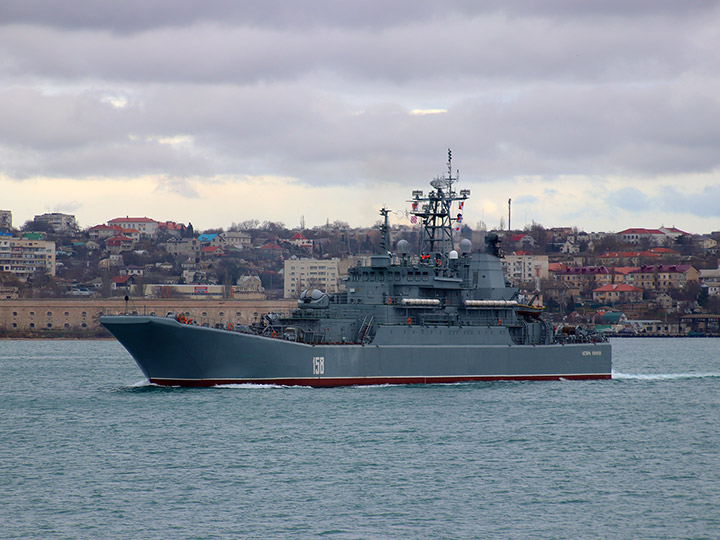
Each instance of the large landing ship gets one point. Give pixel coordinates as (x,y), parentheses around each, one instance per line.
(443,314)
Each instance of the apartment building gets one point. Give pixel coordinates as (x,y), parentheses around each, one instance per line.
(583,276)
(301,274)
(186,247)
(5,218)
(60,223)
(525,268)
(663,277)
(23,257)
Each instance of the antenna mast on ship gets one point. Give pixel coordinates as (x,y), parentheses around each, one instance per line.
(435,211)
(384,231)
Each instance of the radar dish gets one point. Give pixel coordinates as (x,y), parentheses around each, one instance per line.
(439,183)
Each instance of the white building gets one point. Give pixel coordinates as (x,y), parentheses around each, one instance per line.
(524,268)
(59,222)
(237,239)
(145,226)
(301,274)
(23,257)
(187,247)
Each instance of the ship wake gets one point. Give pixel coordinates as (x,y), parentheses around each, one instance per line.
(662,376)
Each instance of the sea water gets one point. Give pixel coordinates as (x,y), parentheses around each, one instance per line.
(88,449)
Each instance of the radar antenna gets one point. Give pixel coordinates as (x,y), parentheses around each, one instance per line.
(435,212)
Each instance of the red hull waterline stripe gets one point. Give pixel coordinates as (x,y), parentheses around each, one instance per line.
(358,381)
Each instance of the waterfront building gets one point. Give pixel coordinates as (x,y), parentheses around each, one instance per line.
(22,257)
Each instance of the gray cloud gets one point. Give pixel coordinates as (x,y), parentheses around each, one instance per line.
(139,15)
(491,49)
(704,203)
(630,199)
(295,130)
(322,90)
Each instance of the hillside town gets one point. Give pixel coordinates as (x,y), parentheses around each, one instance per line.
(659,281)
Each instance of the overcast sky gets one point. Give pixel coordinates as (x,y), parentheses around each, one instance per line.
(600,114)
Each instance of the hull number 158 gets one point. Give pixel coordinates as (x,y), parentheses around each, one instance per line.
(318,365)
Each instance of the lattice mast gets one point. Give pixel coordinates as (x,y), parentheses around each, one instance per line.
(384,231)
(437,217)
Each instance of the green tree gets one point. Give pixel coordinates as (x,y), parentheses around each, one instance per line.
(703,297)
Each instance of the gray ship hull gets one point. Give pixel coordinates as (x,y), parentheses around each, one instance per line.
(174,354)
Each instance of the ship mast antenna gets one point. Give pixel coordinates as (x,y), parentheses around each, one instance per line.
(385,230)
(435,211)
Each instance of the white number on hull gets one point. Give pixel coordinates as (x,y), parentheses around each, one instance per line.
(318,365)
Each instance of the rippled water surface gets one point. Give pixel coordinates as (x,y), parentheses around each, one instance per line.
(89,450)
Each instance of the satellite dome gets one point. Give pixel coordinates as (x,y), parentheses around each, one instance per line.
(403,247)
(453,255)
(465,245)
(317,294)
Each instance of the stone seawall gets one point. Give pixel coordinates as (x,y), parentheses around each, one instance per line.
(27,316)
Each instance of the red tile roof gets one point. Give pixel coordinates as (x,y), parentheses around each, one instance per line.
(616,287)
(132,220)
(640,231)
(624,270)
(117,240)
(103,227)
